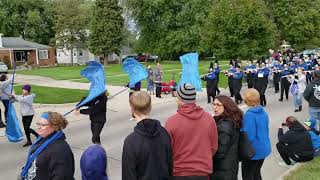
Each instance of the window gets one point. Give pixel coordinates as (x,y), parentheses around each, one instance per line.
(80,53)
(43,54)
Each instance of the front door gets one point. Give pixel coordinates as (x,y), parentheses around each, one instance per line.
(20,56)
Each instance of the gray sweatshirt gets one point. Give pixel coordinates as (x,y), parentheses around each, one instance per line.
(4,85)
(26,104)
(157,75)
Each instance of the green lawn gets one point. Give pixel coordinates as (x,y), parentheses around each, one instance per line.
(307,171)
(115,75)
(49,95)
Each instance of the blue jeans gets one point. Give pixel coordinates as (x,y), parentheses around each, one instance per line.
(314,112)
(297,100)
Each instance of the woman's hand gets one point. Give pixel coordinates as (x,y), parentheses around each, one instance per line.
(77,112)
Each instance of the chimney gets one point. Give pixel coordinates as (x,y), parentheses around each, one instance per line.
(1,45)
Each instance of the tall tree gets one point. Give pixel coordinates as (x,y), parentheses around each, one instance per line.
(298,21)
(106,31)
(239,29)
(30,19)
(169,27)
(71,25)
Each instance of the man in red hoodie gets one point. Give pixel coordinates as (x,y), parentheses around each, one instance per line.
(194,137)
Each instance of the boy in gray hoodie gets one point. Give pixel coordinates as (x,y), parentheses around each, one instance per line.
(27,112)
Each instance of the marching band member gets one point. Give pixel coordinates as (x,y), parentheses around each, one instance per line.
(262,83)
(276,75)
(217,71)
(211,85)
(249,73)
(230,73)
(237,85)
(285,84)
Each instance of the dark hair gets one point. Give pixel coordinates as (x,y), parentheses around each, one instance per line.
(290,120)
(3,77)
(211,65)
(231,111)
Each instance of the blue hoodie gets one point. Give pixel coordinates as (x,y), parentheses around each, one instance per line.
(256,125)
(315,140)
(93,163)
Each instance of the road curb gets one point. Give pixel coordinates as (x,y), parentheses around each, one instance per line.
(290,170)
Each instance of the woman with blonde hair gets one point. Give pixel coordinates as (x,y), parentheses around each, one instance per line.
(256,125)
(50,157)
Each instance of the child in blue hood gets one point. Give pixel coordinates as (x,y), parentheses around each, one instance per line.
(93,163)
(315,138)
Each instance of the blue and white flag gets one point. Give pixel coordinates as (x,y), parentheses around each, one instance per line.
(135,70)
(94,72)
(190,70)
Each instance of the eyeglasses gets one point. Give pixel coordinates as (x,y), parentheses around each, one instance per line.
(42,125)
(217,104)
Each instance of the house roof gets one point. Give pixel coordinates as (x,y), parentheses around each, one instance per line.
(19,43)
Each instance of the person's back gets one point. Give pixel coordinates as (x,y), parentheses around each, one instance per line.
(193,134)
(147,151)
(312,92)
(256,125)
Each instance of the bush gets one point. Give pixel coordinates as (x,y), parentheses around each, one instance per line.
(6,60)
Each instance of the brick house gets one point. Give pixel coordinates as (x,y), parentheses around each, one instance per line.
(16,49)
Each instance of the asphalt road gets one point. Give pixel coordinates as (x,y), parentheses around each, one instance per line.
(12,155)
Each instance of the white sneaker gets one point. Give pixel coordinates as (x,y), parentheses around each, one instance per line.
(283,164)
(131,119)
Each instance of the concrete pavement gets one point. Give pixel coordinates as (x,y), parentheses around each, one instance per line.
(118,126)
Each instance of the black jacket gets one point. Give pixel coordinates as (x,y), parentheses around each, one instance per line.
(96,109)
(56,162)
(297,140)
(147,153)
(309,93)
(226,160)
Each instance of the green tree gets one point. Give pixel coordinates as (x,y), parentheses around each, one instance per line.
(238,29)
(30,19)
(71,25)
(106,31)
(169,28)
(298,21)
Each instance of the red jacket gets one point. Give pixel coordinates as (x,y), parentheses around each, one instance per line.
(194,140)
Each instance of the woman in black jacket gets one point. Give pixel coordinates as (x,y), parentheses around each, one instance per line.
(50,157)
(228,118)
(295,144)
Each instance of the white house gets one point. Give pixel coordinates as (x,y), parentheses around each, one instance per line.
(84,56)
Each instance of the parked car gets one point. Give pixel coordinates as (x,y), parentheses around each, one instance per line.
(134,57)
(3,68)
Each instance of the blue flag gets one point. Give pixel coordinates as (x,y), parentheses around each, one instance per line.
(94,72)
(135,70)
(190,70)
(13,131)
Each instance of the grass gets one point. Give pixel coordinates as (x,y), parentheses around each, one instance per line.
(115,75)
(307,171)
(49,95)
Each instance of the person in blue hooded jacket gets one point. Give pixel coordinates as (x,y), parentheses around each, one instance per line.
(256,124)
(93,163)
(310,125)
